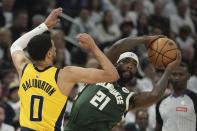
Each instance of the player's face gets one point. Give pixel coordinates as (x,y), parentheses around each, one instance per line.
(126,68)
(142,119)
(179,78)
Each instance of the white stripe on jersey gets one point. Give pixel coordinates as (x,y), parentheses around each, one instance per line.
(127,100)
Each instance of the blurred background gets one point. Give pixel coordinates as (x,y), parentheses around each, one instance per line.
(107,21)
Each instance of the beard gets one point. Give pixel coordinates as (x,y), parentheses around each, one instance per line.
(125,77)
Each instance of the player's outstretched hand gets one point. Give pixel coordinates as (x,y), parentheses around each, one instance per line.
(86,41)
(171,66)
(52,19)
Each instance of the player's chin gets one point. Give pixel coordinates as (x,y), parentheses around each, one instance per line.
(127,75)
(176,82)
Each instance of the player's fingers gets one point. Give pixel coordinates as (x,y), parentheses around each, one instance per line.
(162,36)
(56,12)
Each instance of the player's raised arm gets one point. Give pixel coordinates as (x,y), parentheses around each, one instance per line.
(128,44)
(145,99)
(108,73)
(18,56)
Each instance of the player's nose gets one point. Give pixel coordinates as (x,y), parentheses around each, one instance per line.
(129,68)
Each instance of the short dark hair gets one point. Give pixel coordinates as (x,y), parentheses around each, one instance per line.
(185,65)
(38,46)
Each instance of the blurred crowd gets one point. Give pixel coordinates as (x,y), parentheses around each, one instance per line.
(107,21)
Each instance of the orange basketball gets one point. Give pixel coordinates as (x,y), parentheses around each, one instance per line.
(161,52)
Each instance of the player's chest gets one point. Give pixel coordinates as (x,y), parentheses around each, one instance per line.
(115,95)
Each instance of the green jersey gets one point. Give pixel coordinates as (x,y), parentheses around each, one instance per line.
(99,107)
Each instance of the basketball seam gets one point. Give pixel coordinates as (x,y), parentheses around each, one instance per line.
(160,51)
(168,51)
(157,49)
(153,50)
(153,53)
(163,61)
(165,52)
(167,57)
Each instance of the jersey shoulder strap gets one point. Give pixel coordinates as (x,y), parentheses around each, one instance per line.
(23,69)
(193,97)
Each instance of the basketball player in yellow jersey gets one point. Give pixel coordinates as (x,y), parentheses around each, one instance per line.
(44,88)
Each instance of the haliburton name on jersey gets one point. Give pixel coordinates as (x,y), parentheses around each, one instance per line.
(43,85)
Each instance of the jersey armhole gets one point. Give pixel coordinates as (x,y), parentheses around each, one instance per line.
(158,114)
(193,97)
(128,99)
(56,74)
(23,70)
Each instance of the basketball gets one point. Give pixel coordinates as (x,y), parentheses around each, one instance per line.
(161,52)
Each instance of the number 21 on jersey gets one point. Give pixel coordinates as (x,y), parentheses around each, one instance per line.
(100,100)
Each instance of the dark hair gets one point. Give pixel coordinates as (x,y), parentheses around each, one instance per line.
(38,46)
(185,65)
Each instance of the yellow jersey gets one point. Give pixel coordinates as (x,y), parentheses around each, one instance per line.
(42,105)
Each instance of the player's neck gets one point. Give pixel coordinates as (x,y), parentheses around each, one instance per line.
(43,64)
(179,92)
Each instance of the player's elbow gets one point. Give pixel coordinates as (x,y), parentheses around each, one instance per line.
(15,48)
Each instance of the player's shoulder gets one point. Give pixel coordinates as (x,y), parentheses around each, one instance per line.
(66,71)
(192,95)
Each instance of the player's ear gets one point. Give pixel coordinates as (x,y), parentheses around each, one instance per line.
(49,53)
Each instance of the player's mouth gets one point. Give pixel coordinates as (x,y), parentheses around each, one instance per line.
(127,74)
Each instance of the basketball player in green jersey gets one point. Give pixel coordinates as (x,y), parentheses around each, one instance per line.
(101,106)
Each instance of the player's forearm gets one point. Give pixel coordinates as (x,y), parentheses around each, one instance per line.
(22,42)
(105,63)
(131,42)
(124,45)
(161,85)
